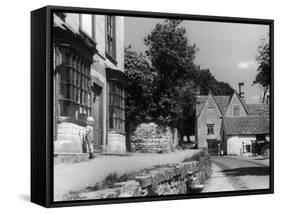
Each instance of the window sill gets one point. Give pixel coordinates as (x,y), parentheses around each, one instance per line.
(79,122)
(113,131)
(86,35)
(111,58)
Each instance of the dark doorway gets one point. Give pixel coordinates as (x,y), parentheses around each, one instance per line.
(97,107)
(213,146)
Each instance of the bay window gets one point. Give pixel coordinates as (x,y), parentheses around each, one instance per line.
(74,86)
(116,107)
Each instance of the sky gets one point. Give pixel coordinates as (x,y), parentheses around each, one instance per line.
(227,49)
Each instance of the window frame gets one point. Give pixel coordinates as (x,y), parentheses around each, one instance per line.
(116,104)
(110,55)
(212,128)
(77,81)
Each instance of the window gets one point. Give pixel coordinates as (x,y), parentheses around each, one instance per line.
(210,129)
(75,86)
(86,24)
(236,110)
(116,107)
(110,36)
(211,104)
(248,148)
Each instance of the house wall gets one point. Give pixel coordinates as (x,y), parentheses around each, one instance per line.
(235,101)
(100,39)
(235,144)
(208,116)
(69,138)
(69,134)
(112,142)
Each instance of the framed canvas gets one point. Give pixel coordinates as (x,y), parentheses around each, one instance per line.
(131,106)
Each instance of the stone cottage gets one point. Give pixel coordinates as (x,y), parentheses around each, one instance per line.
(88,80)
(228,125)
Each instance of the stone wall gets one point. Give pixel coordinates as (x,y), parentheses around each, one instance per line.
(183,178)
(116,143)
(150,138)
(70,158)
(69,138)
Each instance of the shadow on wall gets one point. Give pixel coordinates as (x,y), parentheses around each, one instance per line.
(243,171)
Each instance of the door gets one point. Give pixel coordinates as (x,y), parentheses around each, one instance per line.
(97,107)
(213,146)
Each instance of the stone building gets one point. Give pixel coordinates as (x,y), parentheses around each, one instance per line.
(88,80)
(228,124)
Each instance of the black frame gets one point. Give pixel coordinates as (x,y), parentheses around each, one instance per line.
(42,102)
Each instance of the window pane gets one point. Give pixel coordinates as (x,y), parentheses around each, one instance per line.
(116,113)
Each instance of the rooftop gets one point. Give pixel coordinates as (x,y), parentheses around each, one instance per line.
(250,125)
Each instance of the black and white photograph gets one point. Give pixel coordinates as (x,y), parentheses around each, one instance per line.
(149,107)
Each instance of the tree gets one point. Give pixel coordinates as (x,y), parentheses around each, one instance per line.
(139,91)
(207,82)
(263,60)
(163,83)
(171,57)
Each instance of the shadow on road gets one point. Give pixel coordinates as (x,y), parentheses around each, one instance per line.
(243,171)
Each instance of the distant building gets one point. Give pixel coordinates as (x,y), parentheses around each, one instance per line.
(89,80)
(228,124)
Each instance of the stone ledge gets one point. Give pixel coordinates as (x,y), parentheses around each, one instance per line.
(171,179)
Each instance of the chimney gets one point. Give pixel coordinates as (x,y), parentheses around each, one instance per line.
(241,93)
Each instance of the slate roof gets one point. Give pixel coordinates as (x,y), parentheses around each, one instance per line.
(200,101)
(258,109)
(222,102)
(250,125)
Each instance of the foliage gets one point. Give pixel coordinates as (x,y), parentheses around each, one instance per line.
(207,82)
(140,86)
(171,57)
(263,59)
(163,83)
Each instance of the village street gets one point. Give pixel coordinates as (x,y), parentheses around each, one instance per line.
(78,176)
(238,173)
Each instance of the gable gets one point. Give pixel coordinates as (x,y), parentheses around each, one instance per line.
(236,107)
(211,108)
(222,102)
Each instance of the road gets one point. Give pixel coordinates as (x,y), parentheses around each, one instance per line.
(238,173)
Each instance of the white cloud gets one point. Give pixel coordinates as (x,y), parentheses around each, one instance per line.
(246,65)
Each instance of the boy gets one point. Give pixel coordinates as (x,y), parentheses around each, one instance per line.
(89,137)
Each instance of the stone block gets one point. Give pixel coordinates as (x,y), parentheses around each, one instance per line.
(144,180)
(129,188)
(102,194)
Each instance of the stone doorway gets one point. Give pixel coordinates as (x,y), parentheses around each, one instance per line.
(97,113)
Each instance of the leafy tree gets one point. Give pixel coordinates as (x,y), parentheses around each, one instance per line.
(207,82)
(163,83)
(263,59)
(140,86)
(171,57)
